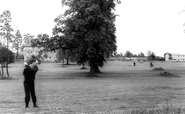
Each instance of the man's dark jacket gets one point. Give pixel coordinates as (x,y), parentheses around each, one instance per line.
(29,73)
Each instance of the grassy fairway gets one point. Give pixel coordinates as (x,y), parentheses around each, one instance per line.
(119,88)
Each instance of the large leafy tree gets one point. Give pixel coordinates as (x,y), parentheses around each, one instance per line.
(88,26)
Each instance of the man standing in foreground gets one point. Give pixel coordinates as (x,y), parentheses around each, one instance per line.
(29,77)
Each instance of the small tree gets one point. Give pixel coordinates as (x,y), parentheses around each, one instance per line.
(5,19)
(60,55)
(27,38)
(151,55)
(134,55)
(6,56)
(141,54)
(16,42)
(128,54)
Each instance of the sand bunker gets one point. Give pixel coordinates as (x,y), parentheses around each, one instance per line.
(167,74)
(158,69)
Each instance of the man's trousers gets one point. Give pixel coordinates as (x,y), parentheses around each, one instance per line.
(29,88)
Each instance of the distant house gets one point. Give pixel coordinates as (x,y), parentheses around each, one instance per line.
(174,57)
(28,51)
(136,58)
(139,58)
(142,58)
(114,59)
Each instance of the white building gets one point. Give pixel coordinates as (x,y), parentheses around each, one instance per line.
(28,51)
(174,57)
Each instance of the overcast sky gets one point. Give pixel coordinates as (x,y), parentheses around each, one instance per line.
(142,25)
(154,25)
(33,16)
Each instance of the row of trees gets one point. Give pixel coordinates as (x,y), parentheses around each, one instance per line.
(6,34)
(12,37)
(86,30)
(129,54)
(150,55)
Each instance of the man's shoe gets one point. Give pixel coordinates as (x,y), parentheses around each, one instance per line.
(27,105)
(35,106)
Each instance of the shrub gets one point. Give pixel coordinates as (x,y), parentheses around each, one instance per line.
(158,69)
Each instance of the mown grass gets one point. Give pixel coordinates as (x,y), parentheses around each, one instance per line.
(120,89)
(165,109)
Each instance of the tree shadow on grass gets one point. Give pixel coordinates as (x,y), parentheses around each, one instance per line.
(83,68)
(10,66)
(79,75)
(67,65)
(6,78)
(87,75)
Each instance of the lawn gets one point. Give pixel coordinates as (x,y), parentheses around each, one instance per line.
(119,88)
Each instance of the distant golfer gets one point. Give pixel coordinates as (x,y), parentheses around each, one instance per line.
(151,65)
(29,76)
(134,63)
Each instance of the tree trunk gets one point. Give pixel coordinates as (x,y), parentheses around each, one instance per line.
(7,69)
(92,70)
(2,69)
(97,70)
(63,63)
(83,66)
(0,73)
(7,40)
(17,53)
(4,65)
(7,56)
(67,61)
